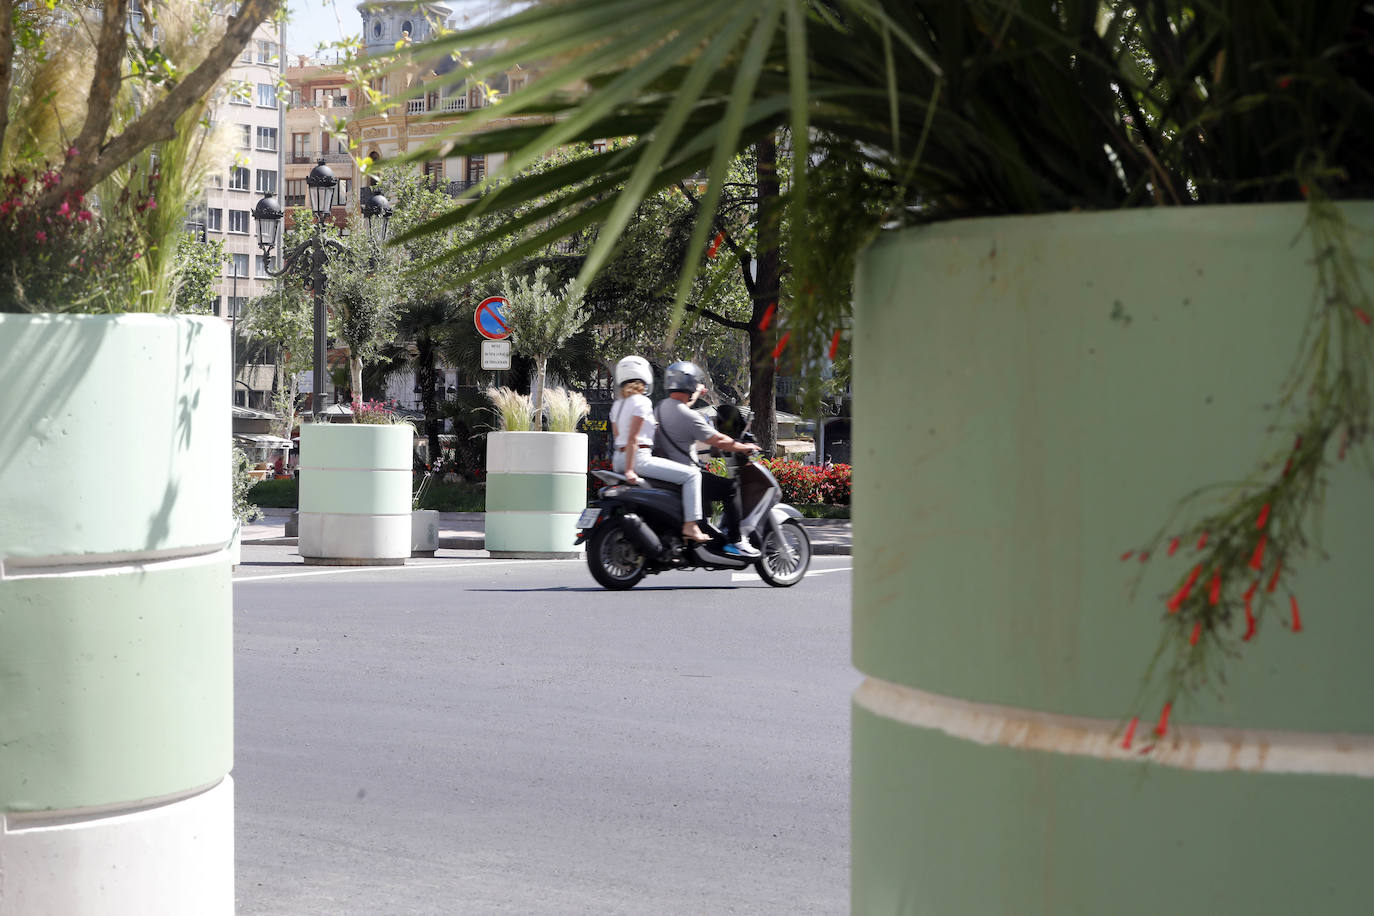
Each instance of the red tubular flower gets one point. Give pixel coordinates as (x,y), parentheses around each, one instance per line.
(715,245)
(1144,556)
(1163,725)
(1173,547)
(1263,517)
(1362,315)
(1130,733)
(1297,618)
(1273,580)
(1181,595)
(1197,632)
(1214,590)
(1249,616)
(767,318)
(1257,559)
(835,344)
(777,351)
(1202,541)
(1284,82)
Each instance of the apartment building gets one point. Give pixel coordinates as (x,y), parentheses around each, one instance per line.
(249,114)
(322,101)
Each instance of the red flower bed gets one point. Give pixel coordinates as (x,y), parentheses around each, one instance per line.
(805,483)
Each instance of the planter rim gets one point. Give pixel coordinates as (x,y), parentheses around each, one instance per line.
(117,317)
(1090,222)
(531,432)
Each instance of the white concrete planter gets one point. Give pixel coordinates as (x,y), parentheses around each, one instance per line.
(424,532)
(116,725)
(355,494)
(536,488)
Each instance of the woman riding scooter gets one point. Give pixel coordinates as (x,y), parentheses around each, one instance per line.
(633,426)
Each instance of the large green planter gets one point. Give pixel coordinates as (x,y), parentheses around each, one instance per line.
(536,488)
(1033,396)
(355,493)
(116,719)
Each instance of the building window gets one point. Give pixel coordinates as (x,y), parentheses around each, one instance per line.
(238,221)
(267,139)
(236,304)
(260,264)
(477,168)
(324,143)
(267,181)
(434,170)
(247,55)
(295,193)
(238,178)
(214,219)
(245,136)
(300,146)
(344,185)
(409,28)
(267,51)
(238,266)
(239,97)
(216,180)
(267,95)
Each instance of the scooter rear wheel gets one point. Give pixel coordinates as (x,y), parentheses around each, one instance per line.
(615,562)
(784,561)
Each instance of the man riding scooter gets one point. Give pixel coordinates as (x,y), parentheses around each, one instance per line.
(680,428)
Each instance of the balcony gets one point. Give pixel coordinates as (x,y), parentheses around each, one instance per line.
(309,159)
(415,106)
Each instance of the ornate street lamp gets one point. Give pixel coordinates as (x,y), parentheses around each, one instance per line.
(324,189)
(377,212)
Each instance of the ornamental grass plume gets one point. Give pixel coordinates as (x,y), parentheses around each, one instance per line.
(564,409)
(514,411)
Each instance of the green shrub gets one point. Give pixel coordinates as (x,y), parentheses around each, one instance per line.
(454,497)
(274,494)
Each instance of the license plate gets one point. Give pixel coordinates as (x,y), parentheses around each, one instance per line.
(588,517)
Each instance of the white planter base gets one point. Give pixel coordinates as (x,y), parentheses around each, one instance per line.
(163,860)
(335,539)
(424,532)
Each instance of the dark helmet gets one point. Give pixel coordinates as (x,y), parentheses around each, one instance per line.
(683,376)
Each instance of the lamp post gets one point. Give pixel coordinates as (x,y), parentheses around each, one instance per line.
(315,251)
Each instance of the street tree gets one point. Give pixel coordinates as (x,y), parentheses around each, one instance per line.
(198,266)
(541,317)
(362,283)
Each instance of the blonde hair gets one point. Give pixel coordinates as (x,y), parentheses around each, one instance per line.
(633,386)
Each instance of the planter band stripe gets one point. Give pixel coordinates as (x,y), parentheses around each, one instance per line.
(98,564)
(1203,748)
(548,492)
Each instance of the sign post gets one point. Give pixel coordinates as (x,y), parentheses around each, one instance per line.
(490,318)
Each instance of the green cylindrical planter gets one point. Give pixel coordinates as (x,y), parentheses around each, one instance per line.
(536,488)
(116,714)
(355,493)
(1033,395)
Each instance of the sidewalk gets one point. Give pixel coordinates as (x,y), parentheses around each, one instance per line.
(467,531)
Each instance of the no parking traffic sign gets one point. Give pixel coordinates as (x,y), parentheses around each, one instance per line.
(490,318)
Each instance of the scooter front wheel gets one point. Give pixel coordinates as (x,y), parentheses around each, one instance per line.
(785,554)
(615,562)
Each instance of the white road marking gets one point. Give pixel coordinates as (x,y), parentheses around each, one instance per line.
(336,570)
(753,576)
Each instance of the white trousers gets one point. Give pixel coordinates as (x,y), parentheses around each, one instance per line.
(686,476)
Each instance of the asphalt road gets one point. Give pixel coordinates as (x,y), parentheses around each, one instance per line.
(465,735)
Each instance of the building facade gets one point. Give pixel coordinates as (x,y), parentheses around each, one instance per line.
(249,115)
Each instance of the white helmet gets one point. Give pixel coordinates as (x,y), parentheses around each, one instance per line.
(631,368)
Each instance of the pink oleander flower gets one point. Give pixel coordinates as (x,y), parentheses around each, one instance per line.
(41,236)
(72,152)
(85,216)
(64,209)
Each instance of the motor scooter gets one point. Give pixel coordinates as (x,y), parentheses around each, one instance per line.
(631,531)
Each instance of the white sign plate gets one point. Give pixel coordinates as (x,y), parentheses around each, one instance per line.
(496,354)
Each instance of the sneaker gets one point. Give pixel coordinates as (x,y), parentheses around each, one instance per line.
(740,549)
